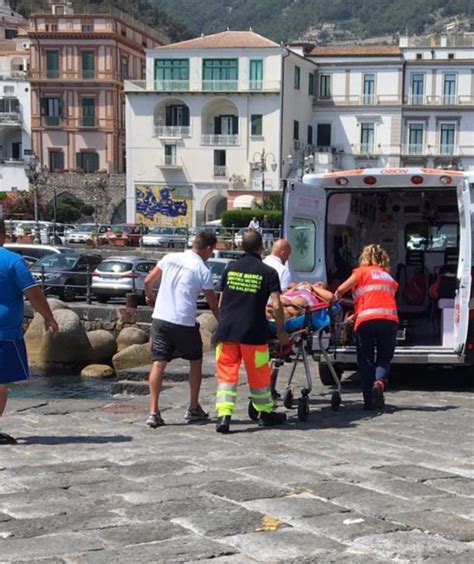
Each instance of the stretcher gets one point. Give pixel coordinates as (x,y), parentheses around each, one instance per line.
(308,332)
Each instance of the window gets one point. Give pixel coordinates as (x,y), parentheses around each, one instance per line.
(52,64)
(256,74)
(170,155)
(419,56)
(417,88)
(172,74)
(87,28)
(88,112)
(9,90)
(177,115)
(323,135)
(54,27)
(256,126)
(369,89)
(16,150)
(303,244)
(310,135)
(226,125)
(325,86)
(367,131)
(88,64)
(220,74)
(220,168)
(425,237)
(88,161)
(9,105)
(311,84)
(56,161)
(297,78)
(415,139)
(450,55)
(449,89)
(296,130)
(124,68)
(447,133)
(52,110)
(11,33)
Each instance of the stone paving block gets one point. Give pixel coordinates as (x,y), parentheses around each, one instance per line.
(284,544)
(444,524)
(338,557)
(463,558)
(327,489)
(140,534)
(404,488)
(234,559)
(408,546)
(415,472)
(245,490)
(192,478)
(152,468)
(294,507)
(458,505)
(458,485)
(373,503)
(284,473)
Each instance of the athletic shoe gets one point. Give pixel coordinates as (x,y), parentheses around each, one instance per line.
(197,414)
(377,393)
(6,439)
(271,419)
(154,420)
(223,424)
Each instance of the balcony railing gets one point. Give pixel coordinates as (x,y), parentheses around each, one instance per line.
(10,118)
(87,121)
(170,85)
(263,86)
(170,161)
(220,171)
(174,131)
(222,140)
(356,100)
(88,74)
(414,149)
(445,100)
(52,121)
(220,85)
(52,74)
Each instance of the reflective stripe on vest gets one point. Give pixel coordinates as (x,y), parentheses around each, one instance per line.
(373,288)
(377,311)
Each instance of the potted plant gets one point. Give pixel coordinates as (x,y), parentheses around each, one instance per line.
(27,236)
(118,240)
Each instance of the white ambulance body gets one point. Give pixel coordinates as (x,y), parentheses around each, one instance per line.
(424,218)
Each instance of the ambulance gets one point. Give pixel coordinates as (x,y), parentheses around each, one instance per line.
(424,219)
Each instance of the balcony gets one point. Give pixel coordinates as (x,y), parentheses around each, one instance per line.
(172,131)
(170,162)
(52,74)
(220,171)
(51,121)
(414,149)
(169,85)
(220,140)
(356,100)
(242,86)
(12,119)
(88,122)
(445,100)
(220,85)
(88,74)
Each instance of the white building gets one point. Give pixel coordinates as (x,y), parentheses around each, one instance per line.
(197,126)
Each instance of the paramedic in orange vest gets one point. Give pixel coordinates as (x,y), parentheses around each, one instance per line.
(376,321)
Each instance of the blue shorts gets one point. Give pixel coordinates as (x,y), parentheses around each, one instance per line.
(13,361)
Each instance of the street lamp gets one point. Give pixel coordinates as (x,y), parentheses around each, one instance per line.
(260,164)
(306,155)
(36,176)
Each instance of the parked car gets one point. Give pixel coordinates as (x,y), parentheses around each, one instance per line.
(220,232)
(165,237)
(217,267)
(134,232)
(117,276)
(85,231)
(65,274)
(32,252)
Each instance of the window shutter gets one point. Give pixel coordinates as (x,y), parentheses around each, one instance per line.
(61,107)
(95,162)
(185,115)
(79,160)
(44,106)
(235,125)
(217,125)
(168,117)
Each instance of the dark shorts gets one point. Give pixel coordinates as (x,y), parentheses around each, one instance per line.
(13,361)
(169,341)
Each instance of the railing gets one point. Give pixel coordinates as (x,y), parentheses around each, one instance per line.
(220,171)
(170,161)
(356,100)
(414,149)
(220,85)
(10,118)
(52,74)
(221,140)
(14,75)
(88,74)
(175,131)
(88,121)
(202,86)
(444,100)
(170,85)
(52,121)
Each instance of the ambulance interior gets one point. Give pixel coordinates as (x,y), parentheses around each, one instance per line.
(420,231)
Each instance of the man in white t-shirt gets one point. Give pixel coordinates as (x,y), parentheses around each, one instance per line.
(254,224)
(175,332)
(278,259)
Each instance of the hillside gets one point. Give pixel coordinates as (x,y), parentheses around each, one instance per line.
(284,20)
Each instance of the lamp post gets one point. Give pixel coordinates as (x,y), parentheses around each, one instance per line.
(260,164)
(306,155)
(35,178)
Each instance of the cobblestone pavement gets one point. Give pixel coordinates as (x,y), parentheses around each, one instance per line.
(89,484)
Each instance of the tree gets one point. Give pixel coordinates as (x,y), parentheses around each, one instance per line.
(68,209)
(273,202)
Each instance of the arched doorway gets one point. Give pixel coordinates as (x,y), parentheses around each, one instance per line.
(120,213)
(214,207)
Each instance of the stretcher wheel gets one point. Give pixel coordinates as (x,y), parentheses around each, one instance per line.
(325,374)
(253,413)
(303,408)
(335,400)
(288,398)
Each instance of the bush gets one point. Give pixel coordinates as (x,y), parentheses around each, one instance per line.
(69,209)
(241,218)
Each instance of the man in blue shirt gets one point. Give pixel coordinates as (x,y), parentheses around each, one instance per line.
(16,280)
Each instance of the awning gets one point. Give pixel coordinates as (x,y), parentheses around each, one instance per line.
(244,202)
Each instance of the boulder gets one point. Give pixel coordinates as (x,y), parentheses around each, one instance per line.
(207,322)
(55,304)
(99,371)
(35,332)
(207,340)
(132,356)
(103,344)
(131,336)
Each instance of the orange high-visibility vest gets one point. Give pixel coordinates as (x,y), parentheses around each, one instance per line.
(374,295)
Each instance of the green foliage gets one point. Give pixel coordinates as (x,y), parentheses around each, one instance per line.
(22,207)
(69,209)
(241,218)
(273,202)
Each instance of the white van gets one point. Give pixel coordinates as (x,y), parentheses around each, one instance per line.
(424,219)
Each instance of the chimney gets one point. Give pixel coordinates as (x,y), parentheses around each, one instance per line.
(403,41)
(443,41)
(61,8)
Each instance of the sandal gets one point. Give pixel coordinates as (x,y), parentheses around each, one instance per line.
(7,439)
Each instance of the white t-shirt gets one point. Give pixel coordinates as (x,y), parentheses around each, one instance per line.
(284,273)
(184,276)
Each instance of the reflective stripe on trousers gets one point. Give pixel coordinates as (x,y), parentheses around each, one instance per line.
(226,396)
(374,288)
(377,311)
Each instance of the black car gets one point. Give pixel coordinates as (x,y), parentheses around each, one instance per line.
(67,274)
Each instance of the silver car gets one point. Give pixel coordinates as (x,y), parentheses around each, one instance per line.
(166,237)
(117,276)
(85,232)
(217,267)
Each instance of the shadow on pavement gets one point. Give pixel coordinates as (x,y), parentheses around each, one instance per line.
(71,439)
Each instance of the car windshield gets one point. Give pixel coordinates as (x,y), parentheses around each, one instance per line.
(115,266)
(162,231)
(87,228)
(56,261)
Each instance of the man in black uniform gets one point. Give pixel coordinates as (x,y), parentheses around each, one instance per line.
(242,333)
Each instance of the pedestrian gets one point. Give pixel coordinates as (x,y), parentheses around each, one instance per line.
(254,224)
(278,259)
(242,333)
(175,331)
(267,234)
(376,321)
(16,280)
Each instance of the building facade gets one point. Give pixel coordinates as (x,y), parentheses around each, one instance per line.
(212,124)
(78,62)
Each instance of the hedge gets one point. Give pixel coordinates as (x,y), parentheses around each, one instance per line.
(241,218)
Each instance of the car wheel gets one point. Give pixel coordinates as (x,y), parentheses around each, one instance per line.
(68,293)
(102,298)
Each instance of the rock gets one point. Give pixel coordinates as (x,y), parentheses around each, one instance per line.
(131,336)
(99,371)
(55,304)
(135,355)
(207,322)
(207,340)
(103,344)
(35,332)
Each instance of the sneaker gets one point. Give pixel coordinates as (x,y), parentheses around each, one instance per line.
(154,420)
(377,392)
(223,424)
(197,414)
(6,439)
(271,419)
